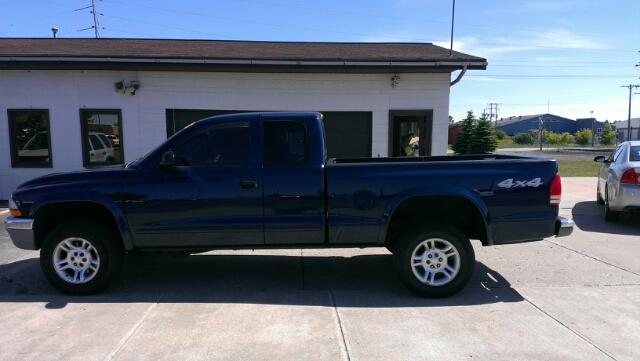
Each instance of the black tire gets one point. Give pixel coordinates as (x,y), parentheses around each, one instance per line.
(609,215)
(88,257)
(598,198)
(442,248)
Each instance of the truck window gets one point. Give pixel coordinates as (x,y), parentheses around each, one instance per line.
(285,144)
(220,145)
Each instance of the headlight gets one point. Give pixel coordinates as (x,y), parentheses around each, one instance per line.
(13,208)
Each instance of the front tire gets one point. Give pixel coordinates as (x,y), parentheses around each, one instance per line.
(80,257)
(434,261)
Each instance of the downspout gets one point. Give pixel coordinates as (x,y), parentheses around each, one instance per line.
(464,70)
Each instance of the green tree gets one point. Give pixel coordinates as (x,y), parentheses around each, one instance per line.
(608,136)
(462,143)
(483,139)
(451,121)
(583,136)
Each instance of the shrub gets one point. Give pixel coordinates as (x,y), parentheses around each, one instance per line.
(583,137)
(525,138)
(608,136)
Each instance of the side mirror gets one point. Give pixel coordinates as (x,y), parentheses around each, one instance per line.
(600,159)
(168,160)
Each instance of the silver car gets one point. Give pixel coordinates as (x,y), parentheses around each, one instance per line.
(619,181)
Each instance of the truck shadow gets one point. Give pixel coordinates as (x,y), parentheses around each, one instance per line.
(358,281)
(589,217)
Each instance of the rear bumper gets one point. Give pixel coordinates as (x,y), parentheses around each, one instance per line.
(564,226)
(21,232)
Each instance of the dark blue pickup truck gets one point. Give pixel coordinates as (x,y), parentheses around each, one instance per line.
(262,180)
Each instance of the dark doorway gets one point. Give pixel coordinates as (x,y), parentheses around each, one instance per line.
(348,134)
(410,132)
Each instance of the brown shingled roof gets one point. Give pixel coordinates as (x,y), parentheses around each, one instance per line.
(21,52)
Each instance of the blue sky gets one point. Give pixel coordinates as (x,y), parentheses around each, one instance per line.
(567,57)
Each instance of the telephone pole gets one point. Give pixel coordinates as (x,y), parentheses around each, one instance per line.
(630,86)
(96,23)
(491,113)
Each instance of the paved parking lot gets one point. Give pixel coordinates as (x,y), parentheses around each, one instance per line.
(572,298)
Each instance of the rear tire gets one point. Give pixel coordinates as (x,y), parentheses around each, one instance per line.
(434,261)
(80,257)
(598,198)
(609,215)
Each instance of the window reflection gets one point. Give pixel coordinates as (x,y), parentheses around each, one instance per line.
(102,137)
(30,138)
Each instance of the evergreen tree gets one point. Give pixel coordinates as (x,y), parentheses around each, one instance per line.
(483,139)
(462,143)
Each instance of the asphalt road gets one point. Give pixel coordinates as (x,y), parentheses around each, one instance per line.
(571,298)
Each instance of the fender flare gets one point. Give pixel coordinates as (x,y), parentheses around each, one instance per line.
(94,197)
(473,197)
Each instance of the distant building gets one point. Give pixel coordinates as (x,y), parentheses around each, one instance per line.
(623,126)
(553,123)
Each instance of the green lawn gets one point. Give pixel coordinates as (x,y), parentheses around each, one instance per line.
(578,168)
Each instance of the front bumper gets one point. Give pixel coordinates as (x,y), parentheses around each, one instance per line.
(21,232)
(564,226)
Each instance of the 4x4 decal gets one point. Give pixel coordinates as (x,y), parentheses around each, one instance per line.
(510,183)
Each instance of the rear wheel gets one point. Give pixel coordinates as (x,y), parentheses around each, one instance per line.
(598,198)
(434,261)
(609,215)
(80,257)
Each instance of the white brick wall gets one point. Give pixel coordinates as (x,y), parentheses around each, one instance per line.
(64,93)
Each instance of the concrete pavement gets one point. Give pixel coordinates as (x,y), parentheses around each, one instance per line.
(571,298)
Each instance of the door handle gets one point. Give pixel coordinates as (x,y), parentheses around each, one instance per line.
(248,185)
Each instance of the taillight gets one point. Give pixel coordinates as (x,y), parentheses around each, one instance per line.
(630,176)
(112,142)
(555,191)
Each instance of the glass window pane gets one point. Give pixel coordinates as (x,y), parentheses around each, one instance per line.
(102,137)
(285,144)
(221,145)
(30,138)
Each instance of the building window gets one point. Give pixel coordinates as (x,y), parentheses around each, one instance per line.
(102,140)
(30,139)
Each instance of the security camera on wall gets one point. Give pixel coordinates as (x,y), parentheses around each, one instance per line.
(119,86)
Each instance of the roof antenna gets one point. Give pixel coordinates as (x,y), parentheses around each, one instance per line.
(55,31)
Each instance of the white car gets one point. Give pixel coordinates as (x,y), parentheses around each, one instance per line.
(114,140)
(619,181)
(101,149)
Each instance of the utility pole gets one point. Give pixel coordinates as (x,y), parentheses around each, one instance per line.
(453,16)
(630,86)
(96,24)
(491,113)
(593,134)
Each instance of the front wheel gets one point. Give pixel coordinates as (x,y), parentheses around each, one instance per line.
(434,261)
(80,257)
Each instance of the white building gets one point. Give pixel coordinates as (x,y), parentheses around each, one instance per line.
(58,97)
(624,126)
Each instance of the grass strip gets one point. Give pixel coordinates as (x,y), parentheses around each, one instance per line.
(578,168)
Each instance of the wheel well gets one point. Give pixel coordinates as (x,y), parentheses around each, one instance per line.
(50,215)
(457,211)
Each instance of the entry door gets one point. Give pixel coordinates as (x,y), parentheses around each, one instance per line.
(410,133)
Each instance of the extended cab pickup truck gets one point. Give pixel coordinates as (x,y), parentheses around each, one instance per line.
(262,180)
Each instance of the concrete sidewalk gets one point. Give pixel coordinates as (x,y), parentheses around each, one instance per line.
(572,298)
